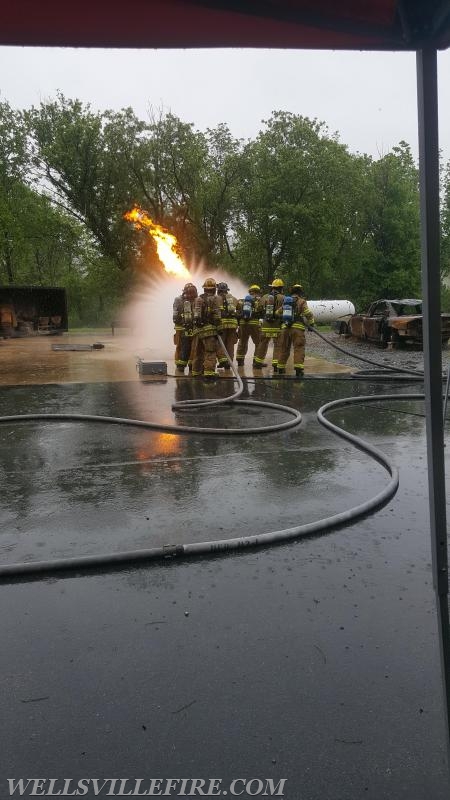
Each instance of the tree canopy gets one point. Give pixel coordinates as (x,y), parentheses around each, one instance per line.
(293,202)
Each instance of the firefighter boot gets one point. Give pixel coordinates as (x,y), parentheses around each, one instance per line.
(299,372)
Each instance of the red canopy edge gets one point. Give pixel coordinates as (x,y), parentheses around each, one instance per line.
(323,24)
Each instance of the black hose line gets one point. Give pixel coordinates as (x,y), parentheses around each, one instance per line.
(361,358)
(70,564)
(39,568)
(382,373)
(157,426)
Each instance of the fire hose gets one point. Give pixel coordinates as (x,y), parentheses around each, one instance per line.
(385,372)
(324,525)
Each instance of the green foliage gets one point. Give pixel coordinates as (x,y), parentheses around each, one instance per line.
(445,299)
(390,265)
(292,203)
(98,296)
(301,196)
(84,158)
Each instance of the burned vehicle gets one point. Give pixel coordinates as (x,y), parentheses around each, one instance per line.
(394,321)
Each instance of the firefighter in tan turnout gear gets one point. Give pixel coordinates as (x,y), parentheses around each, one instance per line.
(207,318)
(248,312)
(183,318)
(295,315)
(271,324)
(227,328)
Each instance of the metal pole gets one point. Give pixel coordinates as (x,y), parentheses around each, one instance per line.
(427,103)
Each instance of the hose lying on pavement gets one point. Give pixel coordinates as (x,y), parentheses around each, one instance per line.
(42,568)
(184,405)
(366,373)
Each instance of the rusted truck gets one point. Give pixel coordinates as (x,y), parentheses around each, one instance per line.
(395,322)
(32,311)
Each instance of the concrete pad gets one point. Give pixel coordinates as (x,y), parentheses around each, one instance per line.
(31,360)
(315,661)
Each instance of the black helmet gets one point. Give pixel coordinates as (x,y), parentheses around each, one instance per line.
(190,290)
(222,287)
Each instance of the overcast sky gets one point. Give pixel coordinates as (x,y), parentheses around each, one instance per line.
(368,98)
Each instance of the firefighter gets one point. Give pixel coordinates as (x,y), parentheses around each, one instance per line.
(295,316)
(249,312)
(183,318)
(207,317)
(271,324)
(227,328)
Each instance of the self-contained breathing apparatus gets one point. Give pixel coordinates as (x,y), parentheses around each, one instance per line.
(187,300)
(247,307)
(227,300)
(271,304)
(229,306)
(269,311)
(206,310)
(198,313)
(187,314)
(287,310)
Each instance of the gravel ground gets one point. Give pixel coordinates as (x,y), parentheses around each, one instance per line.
(409,357)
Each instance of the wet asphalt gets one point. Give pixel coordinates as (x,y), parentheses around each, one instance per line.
(315,661)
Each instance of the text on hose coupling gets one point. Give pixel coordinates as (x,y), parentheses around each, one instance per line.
(146,787)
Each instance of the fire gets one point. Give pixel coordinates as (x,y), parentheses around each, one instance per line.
(166,243)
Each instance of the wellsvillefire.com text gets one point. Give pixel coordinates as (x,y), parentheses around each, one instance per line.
(145,787)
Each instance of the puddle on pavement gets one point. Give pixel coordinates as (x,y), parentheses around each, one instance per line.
(33,361)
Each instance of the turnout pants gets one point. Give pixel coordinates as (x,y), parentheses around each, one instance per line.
(183,346)
(229,338)
(292,337)
(204,355)
(247,330)
(261,350)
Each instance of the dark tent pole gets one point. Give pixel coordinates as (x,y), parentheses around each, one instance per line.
(427,101)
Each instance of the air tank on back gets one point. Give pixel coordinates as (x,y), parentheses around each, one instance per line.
(326,311)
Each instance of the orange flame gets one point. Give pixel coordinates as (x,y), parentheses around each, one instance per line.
(166,243)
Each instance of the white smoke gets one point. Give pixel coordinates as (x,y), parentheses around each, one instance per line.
(148,314)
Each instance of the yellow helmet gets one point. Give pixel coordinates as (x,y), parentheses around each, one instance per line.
(277,284)
(209,283)
(254,288)
(297,286)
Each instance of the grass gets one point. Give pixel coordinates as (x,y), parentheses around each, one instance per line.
(90,329)
(102,329)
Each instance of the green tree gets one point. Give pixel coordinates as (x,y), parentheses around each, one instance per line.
(445,222)
(292,203)
(84,159)
(99,164)
(390,264)
(188,181)
(297,204)
(13,168)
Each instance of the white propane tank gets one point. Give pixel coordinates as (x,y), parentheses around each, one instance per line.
(331,310)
